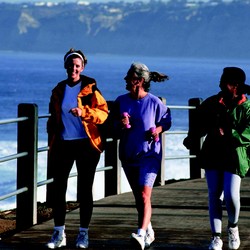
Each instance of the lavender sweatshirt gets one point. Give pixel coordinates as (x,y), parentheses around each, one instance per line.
(135,143)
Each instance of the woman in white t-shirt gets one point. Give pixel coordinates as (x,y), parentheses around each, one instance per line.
(76,107)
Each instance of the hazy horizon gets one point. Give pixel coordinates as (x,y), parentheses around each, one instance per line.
(91,1)
(68,1)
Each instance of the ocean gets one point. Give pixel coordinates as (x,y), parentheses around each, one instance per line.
(30,77)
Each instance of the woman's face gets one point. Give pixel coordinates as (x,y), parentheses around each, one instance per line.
(230,90)
(134,82)
(74,68)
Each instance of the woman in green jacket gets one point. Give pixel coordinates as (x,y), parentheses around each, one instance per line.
(224,120)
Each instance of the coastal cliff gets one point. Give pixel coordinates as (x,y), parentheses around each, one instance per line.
(173,28)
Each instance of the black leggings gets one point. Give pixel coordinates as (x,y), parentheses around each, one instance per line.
(86,158)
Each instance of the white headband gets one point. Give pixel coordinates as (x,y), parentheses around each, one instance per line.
(73,53)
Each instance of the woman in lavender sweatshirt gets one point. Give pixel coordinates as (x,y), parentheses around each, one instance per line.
(140,117)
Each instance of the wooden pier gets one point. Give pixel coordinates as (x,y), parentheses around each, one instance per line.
(180,220)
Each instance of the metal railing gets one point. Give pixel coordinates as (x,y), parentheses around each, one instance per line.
(178,157)
(27,153)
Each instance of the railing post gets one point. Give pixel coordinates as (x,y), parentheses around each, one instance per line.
(27,137)
(196,141)
(49,188)
(112,177)
(160,179)
(112,183)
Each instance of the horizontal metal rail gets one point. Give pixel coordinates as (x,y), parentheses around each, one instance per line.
(181,107)
(44,116)
(7,121)
(178,157)
(14,193)
(97,170)
(175,132)
(42,183)
(12,157)
(43,149)
(45,182)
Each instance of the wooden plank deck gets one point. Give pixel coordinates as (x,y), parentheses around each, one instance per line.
(180,220)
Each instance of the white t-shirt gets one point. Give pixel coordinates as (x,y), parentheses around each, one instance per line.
(73,128)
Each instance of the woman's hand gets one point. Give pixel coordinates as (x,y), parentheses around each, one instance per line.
(76,112)
(125,120)
(155,132)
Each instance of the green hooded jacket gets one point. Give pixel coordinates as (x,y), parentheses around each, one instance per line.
(227,135)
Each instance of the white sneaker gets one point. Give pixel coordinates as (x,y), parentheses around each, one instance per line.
(82,240)
(139,240)
(57,240)
(216,243)
(150,237)
(233,238)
